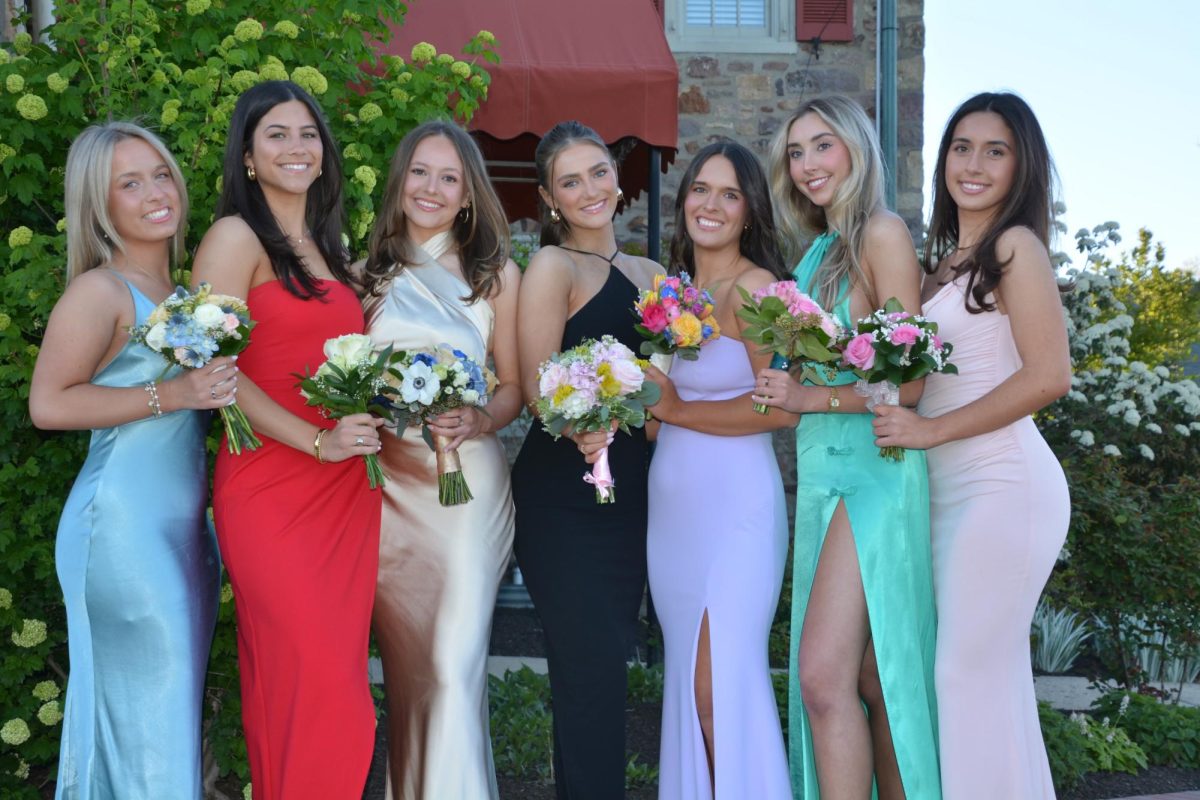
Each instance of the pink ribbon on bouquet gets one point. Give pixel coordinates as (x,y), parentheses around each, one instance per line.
(601,477)
(882,393)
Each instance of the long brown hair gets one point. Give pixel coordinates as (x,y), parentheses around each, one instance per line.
(1030,201)
(481,232)
(557,139)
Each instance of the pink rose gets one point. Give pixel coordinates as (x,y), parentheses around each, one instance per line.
(937,342)
(860,352)
(905,334)
(673,312)
(628,374)
(230,323)
(654,318)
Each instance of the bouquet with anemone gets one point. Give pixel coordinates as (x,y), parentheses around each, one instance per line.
(675,317)
(190,329)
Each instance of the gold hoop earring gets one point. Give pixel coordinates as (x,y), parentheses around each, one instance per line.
(621,195)
(555,216)
(250,173)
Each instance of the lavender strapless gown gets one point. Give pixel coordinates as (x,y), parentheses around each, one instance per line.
(717,542)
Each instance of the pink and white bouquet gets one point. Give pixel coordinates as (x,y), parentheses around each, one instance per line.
(431,383)
(352,380)
(675,317)
(790,324)
(589,387)
(190,329)
(891,347)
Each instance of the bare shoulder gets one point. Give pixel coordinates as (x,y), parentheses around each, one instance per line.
(753,278)
(1020,247)
(509,279)
(643,270)
(232,232)
(886,229)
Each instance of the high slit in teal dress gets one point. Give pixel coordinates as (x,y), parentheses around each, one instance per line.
(888,506)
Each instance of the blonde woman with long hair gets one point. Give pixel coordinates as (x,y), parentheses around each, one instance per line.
(136,561)
(862,590)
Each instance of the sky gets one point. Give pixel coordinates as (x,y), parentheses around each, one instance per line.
(1116,88)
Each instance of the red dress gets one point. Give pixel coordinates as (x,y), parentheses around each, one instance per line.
(300,540)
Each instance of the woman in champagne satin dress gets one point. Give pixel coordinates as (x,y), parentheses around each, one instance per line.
(438,272)
(998,498)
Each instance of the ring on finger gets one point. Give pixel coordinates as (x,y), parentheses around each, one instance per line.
(358,440)
(213,391)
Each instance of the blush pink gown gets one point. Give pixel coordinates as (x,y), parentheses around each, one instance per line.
(999,510)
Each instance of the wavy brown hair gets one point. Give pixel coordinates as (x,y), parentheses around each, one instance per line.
(481,233)
(1030,201)
(557,139)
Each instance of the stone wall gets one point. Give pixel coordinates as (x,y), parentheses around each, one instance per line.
(747,97)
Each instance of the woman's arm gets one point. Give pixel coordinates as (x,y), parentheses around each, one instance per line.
(1028,294)
(230,258)
(85,331)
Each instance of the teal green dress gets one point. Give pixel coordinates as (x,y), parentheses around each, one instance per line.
(888,506)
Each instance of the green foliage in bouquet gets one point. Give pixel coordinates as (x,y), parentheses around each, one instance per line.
(177,68)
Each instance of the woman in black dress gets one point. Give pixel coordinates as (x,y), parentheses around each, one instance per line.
(584,564)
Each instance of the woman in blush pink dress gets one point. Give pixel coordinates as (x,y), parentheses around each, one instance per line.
(998,497)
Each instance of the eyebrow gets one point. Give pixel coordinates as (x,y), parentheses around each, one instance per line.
(307,125)
(134,173)
(707,185)
(816,138)
(416,163)
(601,163)
(965,140)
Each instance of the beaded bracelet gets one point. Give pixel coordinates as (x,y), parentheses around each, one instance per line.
(155,406)
(317,444)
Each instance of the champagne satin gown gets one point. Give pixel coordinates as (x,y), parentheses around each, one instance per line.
(140,577)
(1000,511)
(439,566)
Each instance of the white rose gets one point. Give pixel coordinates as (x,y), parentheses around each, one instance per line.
(156,337)
(348,350)
(629,374)
(209,316)
(470,397)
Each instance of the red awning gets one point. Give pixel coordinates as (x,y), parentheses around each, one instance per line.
(605,63)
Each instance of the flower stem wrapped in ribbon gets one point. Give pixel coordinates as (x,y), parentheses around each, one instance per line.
(675,317)
(791,325)
(431,383)
(891,347)
(190,329)
(588,388)
(352,380)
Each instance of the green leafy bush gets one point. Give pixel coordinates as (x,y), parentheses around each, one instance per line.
(1109,746)
(1169,734)
(521,724)
(178,68)
(1066,747)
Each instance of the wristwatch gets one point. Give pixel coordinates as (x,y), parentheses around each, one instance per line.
(834,402)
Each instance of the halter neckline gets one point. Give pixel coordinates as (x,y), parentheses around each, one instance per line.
(610,259)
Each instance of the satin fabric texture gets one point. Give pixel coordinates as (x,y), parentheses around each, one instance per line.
(717,545)
(887,503)
(1000,510)
(300,539)
(439,566)
(140,577)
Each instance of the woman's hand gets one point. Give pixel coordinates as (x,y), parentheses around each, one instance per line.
(212,386)
(897,426)
(777,388)
(354,435)
(457,425)
(669,400)
(593,442)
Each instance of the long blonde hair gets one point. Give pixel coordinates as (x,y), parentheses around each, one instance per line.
(798,219)
(92,237)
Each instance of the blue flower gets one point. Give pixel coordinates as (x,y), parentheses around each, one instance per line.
(667,291)
(460,354)
(424,358)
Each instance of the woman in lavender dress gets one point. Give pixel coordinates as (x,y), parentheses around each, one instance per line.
(718,533)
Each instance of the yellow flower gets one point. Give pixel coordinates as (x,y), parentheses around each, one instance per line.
(445,58)
(393,62)
(404,77)
(273,70)
(476,81)
(712,322)
(4,57)
(487,37)
(33,633)
(369,111)
(31,107)
(287,28)
(61,225)
(14,83)
(5,321)
(14,732)
(6,152)
(609,385)
(197,7)
(243,79)
(687,329)
(20,236)
(133,42)
(50,713)
(399,95)
(366,176)
(462,69)
(422,52)
(22,43)
(352,151)
(310,79)
(248,30)
(363,223)
(226,593)
(158,78)
(561,394)
(46,690)
(5,599)
(169,115)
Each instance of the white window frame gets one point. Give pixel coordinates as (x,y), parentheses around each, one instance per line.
(779,37)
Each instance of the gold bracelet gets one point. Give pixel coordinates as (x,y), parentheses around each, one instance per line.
(317,444)
(155,406)
(834,401)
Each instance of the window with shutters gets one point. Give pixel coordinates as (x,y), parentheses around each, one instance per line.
(730,26)
(827,20)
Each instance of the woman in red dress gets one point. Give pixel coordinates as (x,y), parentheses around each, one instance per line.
(296,522)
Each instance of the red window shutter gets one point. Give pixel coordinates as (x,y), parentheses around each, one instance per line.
(829,20)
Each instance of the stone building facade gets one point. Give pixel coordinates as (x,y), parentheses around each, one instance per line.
(748,96)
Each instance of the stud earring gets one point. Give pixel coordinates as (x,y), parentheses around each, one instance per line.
(250,173)
(555,216)
(620,195)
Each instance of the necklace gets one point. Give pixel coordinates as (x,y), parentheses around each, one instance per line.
(300,239)
(610,259)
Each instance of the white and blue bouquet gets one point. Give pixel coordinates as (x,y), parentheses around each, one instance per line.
(190,329)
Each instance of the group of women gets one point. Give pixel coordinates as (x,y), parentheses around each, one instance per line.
(888,695)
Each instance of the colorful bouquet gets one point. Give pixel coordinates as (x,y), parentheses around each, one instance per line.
(790,324)
(190,329)
(431,383)
(675,317)
(588,388)
(889,348)
(352,380)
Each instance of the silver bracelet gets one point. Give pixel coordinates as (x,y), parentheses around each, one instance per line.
(155,406)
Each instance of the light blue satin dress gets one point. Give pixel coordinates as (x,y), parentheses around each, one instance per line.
(140,577)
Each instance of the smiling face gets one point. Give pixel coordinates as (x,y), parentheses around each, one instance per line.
(434,189)
(286,149)
(583,186)
(818,160)
(715,207)
(143,201)
(980,163)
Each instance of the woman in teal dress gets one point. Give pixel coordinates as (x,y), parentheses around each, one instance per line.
(862,590)
(137,564)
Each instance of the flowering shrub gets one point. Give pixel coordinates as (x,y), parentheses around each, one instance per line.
(178,67)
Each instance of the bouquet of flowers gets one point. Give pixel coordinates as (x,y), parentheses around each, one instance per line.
(431,383)
(790,324)
(675,317)
(352,380)
(189,329)
(590,386)
(889,348)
